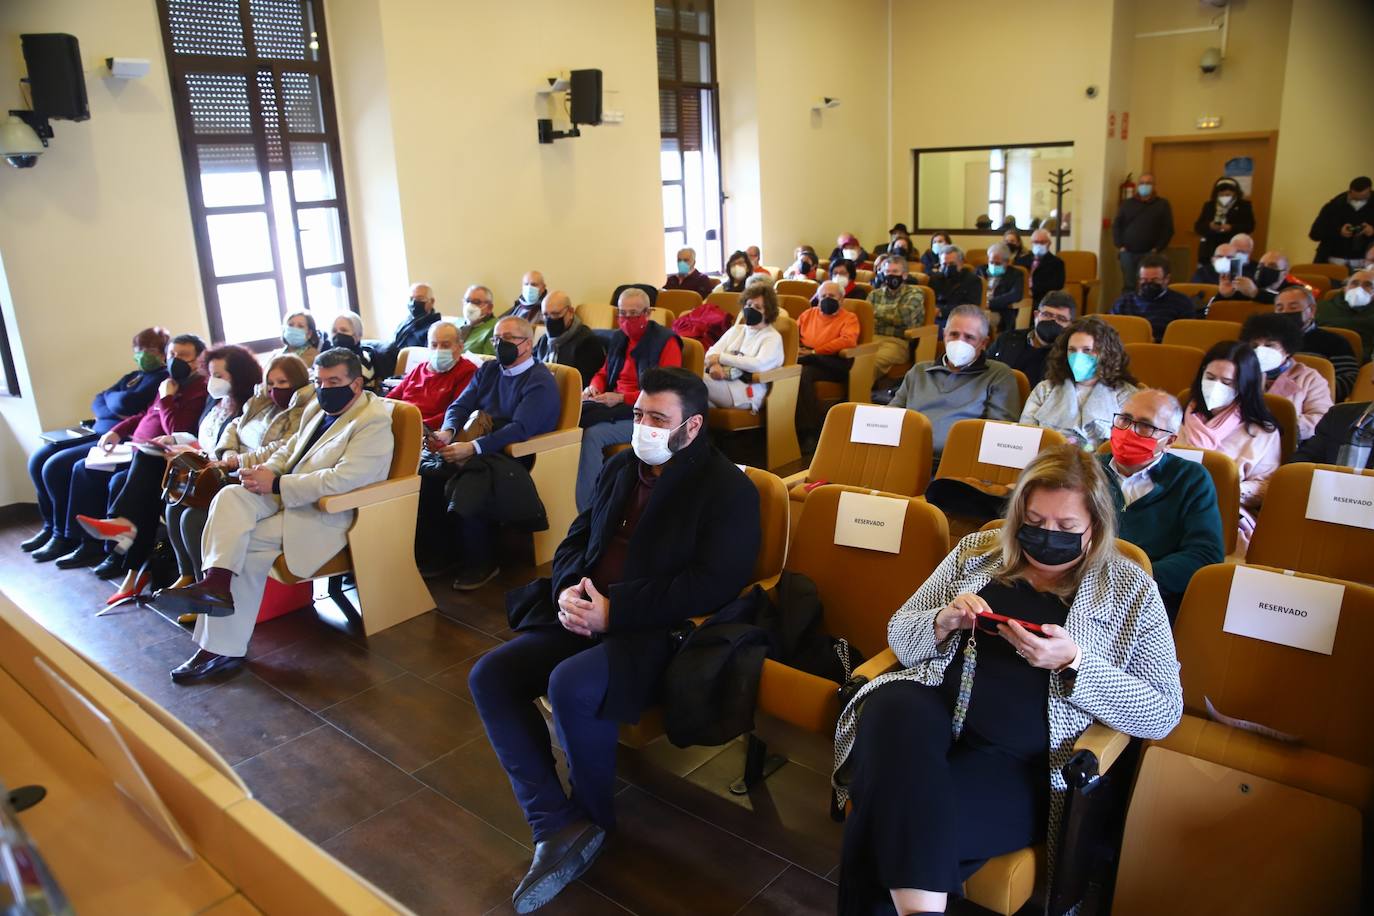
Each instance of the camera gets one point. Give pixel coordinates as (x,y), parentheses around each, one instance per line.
(1091,92)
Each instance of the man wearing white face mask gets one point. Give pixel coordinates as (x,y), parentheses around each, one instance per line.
(1351,309)
(1345,226)
(435,380)
(672,531)
(963,384)
(1046,268)
(532,293)
(478,322)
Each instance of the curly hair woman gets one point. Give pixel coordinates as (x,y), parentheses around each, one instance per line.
(1087,379)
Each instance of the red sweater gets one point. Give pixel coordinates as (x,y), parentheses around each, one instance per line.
(432,391)
(627,385)
(179,413)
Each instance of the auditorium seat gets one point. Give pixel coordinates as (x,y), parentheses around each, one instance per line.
(1227,818)
(677,301)
(1352,337)
(862,356)
(556,456)
(1026,306)
(403,359)
(693,356)
(1322,365)
(1131,329)
(727,303)
(1236,310)
(793,305)
(1080,270)
(1165,366)
(1337,273)
(381,540)
(804,288)
(1285,537)
(1196,332)
(960,457)
(1364,385)
(777,416)
(1319,283)
(1200,293)
(1023,386)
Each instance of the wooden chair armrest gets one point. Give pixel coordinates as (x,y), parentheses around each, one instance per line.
(544,442)
(370,495)
(1105,743)
(925,330)
(860,350)
(881,663)
(792,480)
(782,372)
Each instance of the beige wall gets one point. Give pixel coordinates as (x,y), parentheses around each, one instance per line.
(780,56)
(1326,132)
(96,239)
(450,100)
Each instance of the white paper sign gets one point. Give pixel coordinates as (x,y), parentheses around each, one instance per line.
(1187,454)
(875,425)
(1009,445)
(1287,610)
(870,522)
(1345,499)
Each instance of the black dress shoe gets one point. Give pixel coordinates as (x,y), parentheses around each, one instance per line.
(204,664)
(88,553)
(195,599)
(558,861)
(110,567)
(56,547)
(37,541)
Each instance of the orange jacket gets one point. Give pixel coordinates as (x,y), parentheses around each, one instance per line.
(828,333)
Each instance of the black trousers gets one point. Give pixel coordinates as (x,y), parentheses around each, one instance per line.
(140,501)
(817,368)
(928,811)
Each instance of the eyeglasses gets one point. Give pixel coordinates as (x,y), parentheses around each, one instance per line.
(510,338)
(624,314)
(478,302)
(1140,427)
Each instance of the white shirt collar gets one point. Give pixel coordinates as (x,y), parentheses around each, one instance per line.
(519,368)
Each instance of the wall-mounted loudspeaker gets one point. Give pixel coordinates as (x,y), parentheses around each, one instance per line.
(56,81)
(585,97)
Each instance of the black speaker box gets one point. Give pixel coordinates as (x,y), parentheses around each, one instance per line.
(56,81)
(585,97)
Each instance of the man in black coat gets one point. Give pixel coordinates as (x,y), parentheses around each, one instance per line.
(1026,349)
(1345,226)
(1152,299)
(955,284)
(1344,436)
(672,532)
(1046,268)
(1143,226)
(567,341)
(413,332)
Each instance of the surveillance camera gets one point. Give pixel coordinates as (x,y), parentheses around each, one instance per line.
(19,143)
(22,162)
(1211,60)
(1091,92)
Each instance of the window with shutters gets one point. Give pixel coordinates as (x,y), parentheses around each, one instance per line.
(255,112)
(689,151)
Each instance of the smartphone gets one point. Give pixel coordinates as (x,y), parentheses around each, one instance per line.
(988,621)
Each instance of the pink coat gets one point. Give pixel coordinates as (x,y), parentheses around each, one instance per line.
(1308,391)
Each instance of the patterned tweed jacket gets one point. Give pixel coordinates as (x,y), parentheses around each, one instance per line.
(1127,676)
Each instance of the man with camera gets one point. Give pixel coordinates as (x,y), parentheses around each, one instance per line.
(1345,226)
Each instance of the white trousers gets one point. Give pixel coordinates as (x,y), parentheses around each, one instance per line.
(734,393)
(244,536)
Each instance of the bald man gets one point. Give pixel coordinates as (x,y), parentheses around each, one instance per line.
(1046,268)
(412,332)
(1165,505)
(527,304)
(1352,309)
(567,341)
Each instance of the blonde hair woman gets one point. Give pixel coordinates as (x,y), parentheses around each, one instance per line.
(954,760)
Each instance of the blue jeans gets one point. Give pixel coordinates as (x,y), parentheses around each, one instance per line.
(594,441)
(574,673)
(1130,268)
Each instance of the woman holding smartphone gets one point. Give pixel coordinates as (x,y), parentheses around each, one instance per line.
(953,760)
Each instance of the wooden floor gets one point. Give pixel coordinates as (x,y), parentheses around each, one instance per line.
(372,748)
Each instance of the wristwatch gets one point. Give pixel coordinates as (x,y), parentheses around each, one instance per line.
(1069,672)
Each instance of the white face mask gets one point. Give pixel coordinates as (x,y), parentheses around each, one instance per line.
(473,313)
(650,443)
(1357,297)
(738,271)
(851,254)
(1269,358)
(1225,199)
(441,360)
(1217,395)
(1039,250)
(938,248)
(959,353)
(217,387)
(1222,265)
(1357,204)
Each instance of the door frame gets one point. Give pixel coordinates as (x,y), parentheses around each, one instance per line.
(1269,136)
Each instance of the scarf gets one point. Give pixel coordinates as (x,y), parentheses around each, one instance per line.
(1286,385)
(1210,434)
(568,333)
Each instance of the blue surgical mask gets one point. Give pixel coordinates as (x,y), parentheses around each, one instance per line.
(1083,366)
(441,360)
(996,270)
(683,268)
(1145,189)
(1039,250)
(529,294)
(293,336)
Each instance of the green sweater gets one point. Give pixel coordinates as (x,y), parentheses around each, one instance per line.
(1177,524)
(1335,313)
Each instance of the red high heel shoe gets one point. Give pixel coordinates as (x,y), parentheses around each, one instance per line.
(140,584)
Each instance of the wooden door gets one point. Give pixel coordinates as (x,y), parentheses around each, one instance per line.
(1185,169)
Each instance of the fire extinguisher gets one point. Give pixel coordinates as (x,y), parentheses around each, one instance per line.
(1127,188)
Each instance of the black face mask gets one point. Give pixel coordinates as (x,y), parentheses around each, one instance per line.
(902,251)
(830,305)
(1052,548)
(506,352)
(1266,276)
(950,270)
(347,341)
(334,400)
(1048,330)
(1296,319)
(752,316)
(179,370)
(892,281)
(555,326)
(1151,290)
(417,308)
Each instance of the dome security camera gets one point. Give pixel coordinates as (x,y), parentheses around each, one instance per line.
(1211,60)
(19,143)
(1091,92)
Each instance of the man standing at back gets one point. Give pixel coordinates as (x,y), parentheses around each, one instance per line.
(1144,225)
(672,531)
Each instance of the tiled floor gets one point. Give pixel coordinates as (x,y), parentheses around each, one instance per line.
(373,749)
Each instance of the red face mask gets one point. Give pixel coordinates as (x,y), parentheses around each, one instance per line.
(1130,449)
(634,327)
(281,397)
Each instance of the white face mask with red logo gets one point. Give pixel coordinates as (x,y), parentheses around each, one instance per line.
(651,444)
